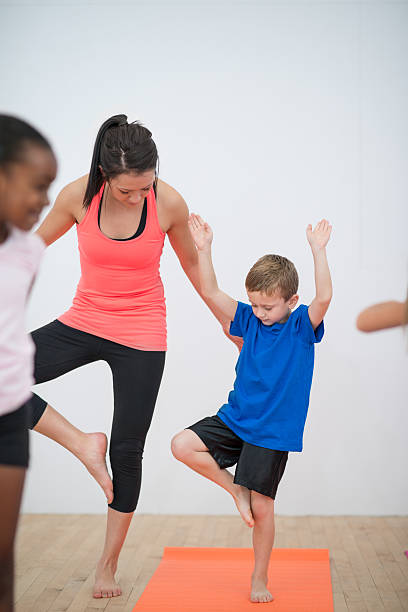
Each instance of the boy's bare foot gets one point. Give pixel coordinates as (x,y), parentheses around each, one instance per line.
(242,499)
(259,592)
(92,455)
(105,583)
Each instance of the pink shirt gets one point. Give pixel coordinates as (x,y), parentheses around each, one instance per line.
(20,256)
(120,294)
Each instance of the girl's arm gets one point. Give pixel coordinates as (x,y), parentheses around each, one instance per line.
(382,316)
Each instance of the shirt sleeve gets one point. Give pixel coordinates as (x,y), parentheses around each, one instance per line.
(36,250)
(305,328)
(239,326)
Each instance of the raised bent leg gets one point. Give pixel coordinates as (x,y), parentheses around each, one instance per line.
(61,349)
(89,448)
(188,448)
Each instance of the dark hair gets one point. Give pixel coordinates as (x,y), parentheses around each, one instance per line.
(120,147)
(272,273)
(15,135)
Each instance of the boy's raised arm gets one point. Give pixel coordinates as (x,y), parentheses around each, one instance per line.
(203,236)
(318,239)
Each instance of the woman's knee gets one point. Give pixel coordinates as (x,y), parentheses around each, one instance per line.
(126,453)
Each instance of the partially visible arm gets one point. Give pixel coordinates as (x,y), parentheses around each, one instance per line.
(63,214)
(202,236)
(183,245)
(381,316)
(318,239)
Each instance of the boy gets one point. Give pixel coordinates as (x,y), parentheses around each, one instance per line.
(266,412)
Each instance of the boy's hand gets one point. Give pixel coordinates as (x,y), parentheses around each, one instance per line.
(200,231)
(319,237)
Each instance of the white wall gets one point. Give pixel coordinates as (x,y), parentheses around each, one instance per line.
(267,116)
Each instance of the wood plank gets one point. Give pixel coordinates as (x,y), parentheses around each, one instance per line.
(56,557)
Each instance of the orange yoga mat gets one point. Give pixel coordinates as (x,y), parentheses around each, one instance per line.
(218,579)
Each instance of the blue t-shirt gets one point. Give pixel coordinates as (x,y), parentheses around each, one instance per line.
(268,406)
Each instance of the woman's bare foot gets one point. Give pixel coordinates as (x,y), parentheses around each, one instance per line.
(259,592)
(242,499)
(105,583)
(92,454)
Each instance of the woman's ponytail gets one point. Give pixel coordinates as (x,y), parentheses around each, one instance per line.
(96,178)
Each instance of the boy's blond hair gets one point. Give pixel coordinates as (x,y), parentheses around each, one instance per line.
(271,274)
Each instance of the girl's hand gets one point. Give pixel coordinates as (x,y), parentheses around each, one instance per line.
(319,237)
(200,231)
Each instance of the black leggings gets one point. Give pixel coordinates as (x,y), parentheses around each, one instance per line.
(136,381)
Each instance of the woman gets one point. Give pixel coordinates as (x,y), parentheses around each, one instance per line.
(122,213)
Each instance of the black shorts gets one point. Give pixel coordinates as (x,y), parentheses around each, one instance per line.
(14,436)
(259,469)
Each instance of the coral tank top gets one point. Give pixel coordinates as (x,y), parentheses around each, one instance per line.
(120,294)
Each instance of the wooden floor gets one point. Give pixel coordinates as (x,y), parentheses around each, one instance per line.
(56,555)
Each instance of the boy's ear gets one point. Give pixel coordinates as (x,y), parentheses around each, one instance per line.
(293,301)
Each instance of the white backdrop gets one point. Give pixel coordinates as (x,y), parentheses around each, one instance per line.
(267,116)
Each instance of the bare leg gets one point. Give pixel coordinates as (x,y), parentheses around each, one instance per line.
(89,448)
(116,529)
(187,447)
(11,485)
(263,537)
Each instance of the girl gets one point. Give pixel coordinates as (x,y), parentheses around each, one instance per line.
(27,168)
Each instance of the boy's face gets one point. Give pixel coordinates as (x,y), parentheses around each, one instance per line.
(271,309)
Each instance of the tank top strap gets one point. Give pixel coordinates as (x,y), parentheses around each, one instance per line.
(152,214)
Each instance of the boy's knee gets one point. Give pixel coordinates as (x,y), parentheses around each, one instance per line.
(180,446)
(262,506)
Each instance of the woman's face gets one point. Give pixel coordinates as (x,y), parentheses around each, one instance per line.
(24,187)
(131,189)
